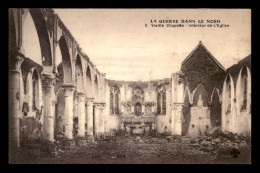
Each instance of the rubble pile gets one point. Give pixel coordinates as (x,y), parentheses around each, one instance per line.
(145,149)
(222,144)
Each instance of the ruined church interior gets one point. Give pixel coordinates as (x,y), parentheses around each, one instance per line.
(72,102)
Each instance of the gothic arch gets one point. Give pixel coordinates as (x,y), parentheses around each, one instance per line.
(43,35)
(12,34)
(217,91)
(66,61)
(96,88)
(186,111)
(79,75)
(114,100)
(227,109)
(33,89)
(187,93)
(161,99)
(228,81)
(244,80)
(215,108)
(89,82)
(198,92)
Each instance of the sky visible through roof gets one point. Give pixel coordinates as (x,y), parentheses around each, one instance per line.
(119,44)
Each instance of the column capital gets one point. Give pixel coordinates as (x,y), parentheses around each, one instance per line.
(48,80)
(97,105)
(69,89)
(69,86)
(81,97)
(89,99)
(210,103)
(102,106)
(16,62)
(177,106)
(181,77)
(80,94)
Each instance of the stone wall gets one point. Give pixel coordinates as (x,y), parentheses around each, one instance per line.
(200,121)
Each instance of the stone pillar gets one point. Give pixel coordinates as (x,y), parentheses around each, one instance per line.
(96,118)
(69,91)
(102,118)
(81,116)
(178,119)
(90,134)
(14,102)
(177,103)
(48,111)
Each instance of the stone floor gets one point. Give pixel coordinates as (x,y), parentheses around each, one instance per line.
(138,150)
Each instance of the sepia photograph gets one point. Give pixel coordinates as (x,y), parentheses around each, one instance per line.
(129,86)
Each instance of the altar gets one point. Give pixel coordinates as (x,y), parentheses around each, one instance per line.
(138,116)
(138,125)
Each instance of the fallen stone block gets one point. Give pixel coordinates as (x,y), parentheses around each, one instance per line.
(215,131)
(243,144)
(206,148)
(82,142)
(228,152)
(69,144)
(194,145)
(217,140)
(169,138)
(205,143)
(197,152)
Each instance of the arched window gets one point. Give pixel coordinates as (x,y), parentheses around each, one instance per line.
(89,83)
(111,103)
(35,89)
(116,103)
(158,103)
(164,103)
(244,89)
(96,86)
(138,109)
(79,75)
(228,108)
(114,100)
(161,100)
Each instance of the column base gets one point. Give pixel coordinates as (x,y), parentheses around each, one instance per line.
(81,141)
(69,144)
(49,149)
(90,138)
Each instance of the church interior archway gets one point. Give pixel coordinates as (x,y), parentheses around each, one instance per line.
(215,110)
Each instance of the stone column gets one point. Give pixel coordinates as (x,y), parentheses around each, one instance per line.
(96,118)
(102,118)
(14,102)
(81,116)
(177,103)
(68,112)
(178,119)
(90,122)
(48,109)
